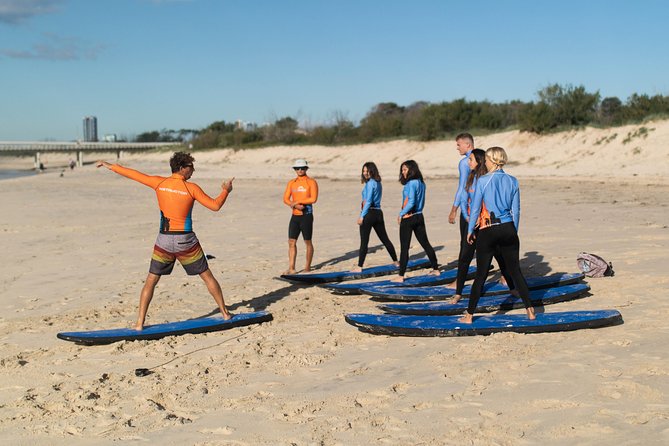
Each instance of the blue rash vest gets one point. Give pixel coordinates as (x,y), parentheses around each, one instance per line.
(466,199)
(463,169)
(371,196)
(413,198)
(500,193)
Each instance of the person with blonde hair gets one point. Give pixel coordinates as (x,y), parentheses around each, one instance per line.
(464,145)
(496,208)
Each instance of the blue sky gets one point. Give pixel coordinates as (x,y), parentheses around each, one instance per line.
(141,65)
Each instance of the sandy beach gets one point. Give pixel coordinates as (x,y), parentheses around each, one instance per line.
(77,249)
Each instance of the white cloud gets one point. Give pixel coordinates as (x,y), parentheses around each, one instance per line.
(18,11)
(57,47)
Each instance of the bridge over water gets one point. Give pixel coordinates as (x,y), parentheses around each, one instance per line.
(34,148)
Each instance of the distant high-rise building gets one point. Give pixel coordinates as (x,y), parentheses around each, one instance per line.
(90,129)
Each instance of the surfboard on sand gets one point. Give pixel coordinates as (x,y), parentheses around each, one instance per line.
(193,326)
(340,276)
(489,288)
(446,276)
(401,325)
(487,304)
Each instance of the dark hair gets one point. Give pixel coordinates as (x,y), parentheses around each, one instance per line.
(481,169)
(413,174)
(373,172)
(467,136)
(180,160)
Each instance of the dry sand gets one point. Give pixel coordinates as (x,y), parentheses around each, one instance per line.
(76,251)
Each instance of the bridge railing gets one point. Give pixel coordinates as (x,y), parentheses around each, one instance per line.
(36,147)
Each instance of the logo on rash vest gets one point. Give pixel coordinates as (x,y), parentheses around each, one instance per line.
(174,191)
(301,189)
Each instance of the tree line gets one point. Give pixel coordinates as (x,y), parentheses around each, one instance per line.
(557,108)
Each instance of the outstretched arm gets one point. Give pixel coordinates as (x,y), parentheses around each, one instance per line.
(147,180)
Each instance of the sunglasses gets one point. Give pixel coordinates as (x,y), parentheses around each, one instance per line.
(300,168)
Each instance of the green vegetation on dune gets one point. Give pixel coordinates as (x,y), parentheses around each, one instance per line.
(557,108)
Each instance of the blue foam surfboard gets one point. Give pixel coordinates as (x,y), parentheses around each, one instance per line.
(446,276)
(401,325)
(340,276)
(444,292)
(201,325)
(487,304)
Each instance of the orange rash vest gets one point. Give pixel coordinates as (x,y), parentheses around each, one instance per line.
(176,197)
(301,190)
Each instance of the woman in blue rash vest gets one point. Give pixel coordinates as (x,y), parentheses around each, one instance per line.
(497,202)
(411,218)
(371,215)
(477,168)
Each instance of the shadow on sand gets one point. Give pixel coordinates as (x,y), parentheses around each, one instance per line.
(263,302)
(534,264)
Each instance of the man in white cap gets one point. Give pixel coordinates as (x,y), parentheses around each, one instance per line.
(300,195)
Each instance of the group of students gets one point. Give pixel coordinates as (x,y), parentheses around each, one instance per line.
(488,198)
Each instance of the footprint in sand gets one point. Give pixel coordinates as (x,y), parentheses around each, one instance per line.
(225,430)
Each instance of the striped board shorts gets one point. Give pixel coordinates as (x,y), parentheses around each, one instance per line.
(182,247)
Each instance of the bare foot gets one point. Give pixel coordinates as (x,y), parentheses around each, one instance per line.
(530,313)
(455,299)
(227,315)
(466,318)
(514,293)
(356,269)
(289,272)
(434,272)
(307,270)
(397,264)
(139,326)
(502,281)
(398,279)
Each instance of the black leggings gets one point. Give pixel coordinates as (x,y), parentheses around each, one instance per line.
(374,219)
(465,259)
(414,224)
(501,239)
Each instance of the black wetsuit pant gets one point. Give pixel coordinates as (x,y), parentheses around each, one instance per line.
(501,239)
(465,259)
(374,220)
(414,225)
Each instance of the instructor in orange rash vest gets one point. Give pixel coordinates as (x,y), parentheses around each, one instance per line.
(300,195)
(176,240)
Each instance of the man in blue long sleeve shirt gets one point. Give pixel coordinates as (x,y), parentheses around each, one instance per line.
(465,145)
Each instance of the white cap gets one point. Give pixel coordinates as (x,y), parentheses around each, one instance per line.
(300,163)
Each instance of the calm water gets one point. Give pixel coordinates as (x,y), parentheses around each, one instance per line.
(6,174)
